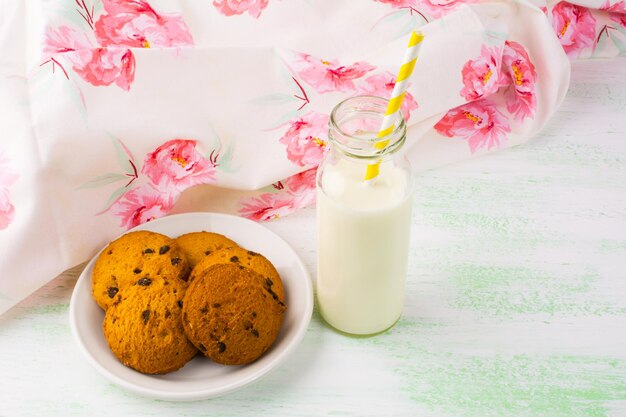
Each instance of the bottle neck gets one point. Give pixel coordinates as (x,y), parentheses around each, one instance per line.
(355,124)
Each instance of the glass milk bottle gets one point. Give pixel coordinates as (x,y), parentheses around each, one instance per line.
(363,226)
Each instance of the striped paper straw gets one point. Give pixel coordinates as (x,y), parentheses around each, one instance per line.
(397,96)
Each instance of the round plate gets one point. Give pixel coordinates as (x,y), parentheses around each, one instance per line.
(201,378)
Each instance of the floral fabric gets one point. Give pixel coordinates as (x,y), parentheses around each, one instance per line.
(116,112)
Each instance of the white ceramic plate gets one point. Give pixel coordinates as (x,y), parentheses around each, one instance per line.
(200,378)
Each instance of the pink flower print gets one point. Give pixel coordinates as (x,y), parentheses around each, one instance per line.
(142,204)
(479,122)
(327,76)
(301,182)
(296,192)
(575,27)
(435,8)
(382,85)
(618,7)
(178,164)
(75,46)
(108,66)
(617,11)
(481,75)
(65,39)
(97,66)
(399,3)
(236,7)
(304,199)
(6,208)
(268,206)
(438,8)
(619,18)
(306,139)
(136,24)
(521,71)
(7,178)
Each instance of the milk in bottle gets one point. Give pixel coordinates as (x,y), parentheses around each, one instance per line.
(363,226)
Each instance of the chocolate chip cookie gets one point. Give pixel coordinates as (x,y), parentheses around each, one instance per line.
(133,256)
(232,314)
(197,245)
(240,256)
(144,329)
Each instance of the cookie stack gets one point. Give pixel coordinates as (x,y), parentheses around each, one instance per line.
(167,298)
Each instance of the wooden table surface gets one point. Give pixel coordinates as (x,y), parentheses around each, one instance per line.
(515,305)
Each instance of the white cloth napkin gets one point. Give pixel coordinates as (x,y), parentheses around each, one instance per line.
(115,112)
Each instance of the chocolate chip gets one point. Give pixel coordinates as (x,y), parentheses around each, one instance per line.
(204,310)
(269,282)
(252,253)
(112,291)
(176,261)
(145,315)
(180,303)
(202,347)
(137,271)
(163,249)
(234,259)
(144,282)
(254,332)
(274,295)
(207,252)
(221,347)
(148,251)
(216,305)
(110,252)
(254,314)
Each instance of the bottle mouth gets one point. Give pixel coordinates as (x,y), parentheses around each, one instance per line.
(355,124)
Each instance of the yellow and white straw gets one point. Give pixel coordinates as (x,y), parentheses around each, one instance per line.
(397,96)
